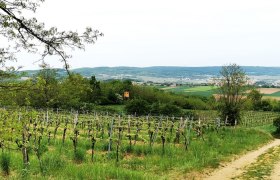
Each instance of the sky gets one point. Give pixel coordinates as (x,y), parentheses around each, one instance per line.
(168,32)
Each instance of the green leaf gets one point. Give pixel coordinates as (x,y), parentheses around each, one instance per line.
(5,24)
(2,5)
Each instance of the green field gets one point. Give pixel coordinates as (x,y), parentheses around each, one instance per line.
(276,94)
(206,91)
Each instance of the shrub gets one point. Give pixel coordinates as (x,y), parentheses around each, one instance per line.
(195,103)
(170,109)
(191,114)
(138,106)
(266,105)
(276,123)
(276,106)
(165,109)
(155,108)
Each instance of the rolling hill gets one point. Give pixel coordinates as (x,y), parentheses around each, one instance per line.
(171,74)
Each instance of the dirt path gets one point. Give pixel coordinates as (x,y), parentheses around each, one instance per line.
(236,167)
(276,172)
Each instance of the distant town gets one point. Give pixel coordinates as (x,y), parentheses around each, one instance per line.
(172,76)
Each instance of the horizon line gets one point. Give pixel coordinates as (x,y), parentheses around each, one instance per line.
(151,67)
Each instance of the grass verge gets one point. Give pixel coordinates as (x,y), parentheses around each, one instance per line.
(264,165)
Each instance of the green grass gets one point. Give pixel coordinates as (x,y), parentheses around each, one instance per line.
(194,90)
(119,109)
(264,165)
(141,161)
(276,94)
(269,128)
(200,88)
(136,161)
(5,160)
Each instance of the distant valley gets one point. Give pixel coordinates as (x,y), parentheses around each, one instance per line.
(262,76)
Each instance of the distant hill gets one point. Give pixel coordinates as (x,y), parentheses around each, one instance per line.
(169,73)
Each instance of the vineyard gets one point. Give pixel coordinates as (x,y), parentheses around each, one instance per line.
(40,144)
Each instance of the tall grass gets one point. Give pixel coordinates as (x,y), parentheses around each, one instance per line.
(140,161)
(5,161)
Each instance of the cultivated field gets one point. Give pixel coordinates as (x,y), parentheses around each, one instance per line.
(268,93)
(196,90)
(64,145)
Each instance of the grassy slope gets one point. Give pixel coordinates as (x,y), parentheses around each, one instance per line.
(202,91)
(267,128)
(197,90)
(140,162)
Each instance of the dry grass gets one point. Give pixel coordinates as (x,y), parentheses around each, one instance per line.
(272,98)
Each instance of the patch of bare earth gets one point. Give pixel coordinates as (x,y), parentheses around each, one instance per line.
(268,90)
(128,156)
(237,167)
(272,97)
(97,152)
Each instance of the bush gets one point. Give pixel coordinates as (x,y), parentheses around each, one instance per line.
(266,105)
(230,113)
(138,106)
(276,123)
(170,110)
(155,108)
(5,159)
(195,103)
(190,114)
(276,106)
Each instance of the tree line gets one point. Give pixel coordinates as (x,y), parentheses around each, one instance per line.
(47,89)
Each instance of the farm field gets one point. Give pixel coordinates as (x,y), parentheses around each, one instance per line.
(196,90)
(93,146)
(271,93)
